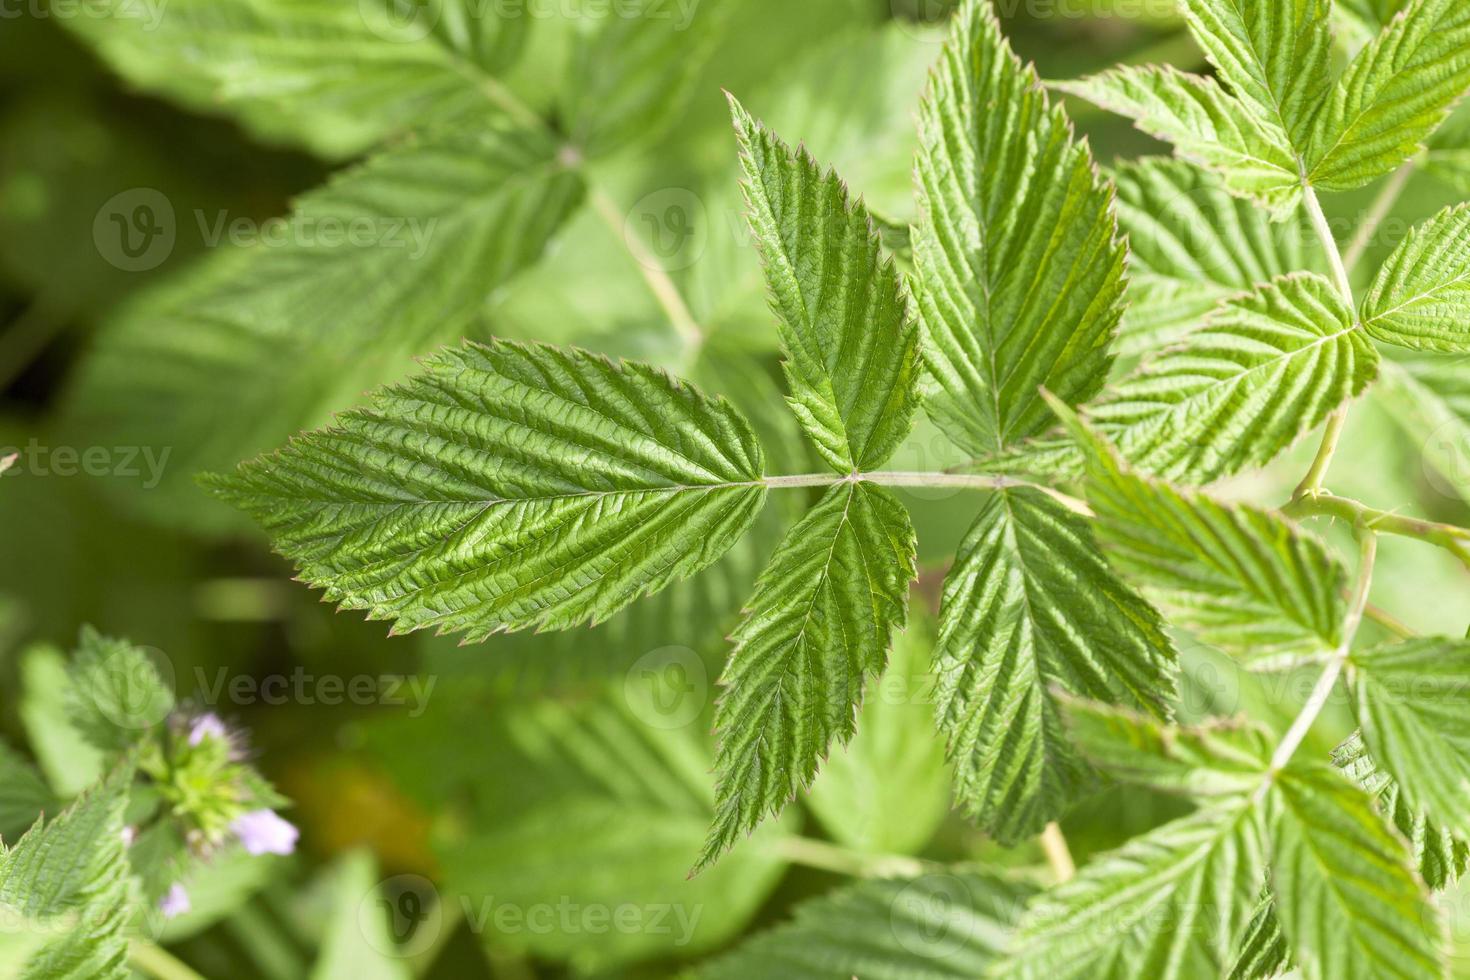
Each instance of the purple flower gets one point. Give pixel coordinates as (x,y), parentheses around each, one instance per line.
(263,832)
(175,903)
(207,726)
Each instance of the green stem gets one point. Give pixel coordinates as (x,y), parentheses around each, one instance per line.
(155,961)
(958,481)
(663,288)
(1317,700)
(1455,540)
(1058,854)
(1312,483)
(832,857)
(1378,213)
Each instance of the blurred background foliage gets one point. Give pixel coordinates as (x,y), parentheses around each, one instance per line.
(530,770)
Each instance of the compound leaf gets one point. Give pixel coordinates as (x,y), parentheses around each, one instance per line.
(1019,263)
(1266,368)
(942,926)
(1393,96)
(1276,56)
(1030,611)
(1172,904)
(817,627)
(1349,901)
(852,357)
(1205,126)
(1421,299)
(1192,245)
(389,259)
(509,486)
(1413,703)
(337,77)
(1243,579)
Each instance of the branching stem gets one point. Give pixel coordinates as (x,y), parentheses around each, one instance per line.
(1317,700)
(155,961)
(1455,540)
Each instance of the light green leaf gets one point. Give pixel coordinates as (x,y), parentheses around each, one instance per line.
(1241,578)
(69,762)
(1421,299)
(357,941)
(1413,703)
(1429,397)
(1349,902)
(851,352)
(1276,55)
(1193,245)
(117,694)
(509,486)
(617,808)
(817,628)
(1173,903)
(1440,856)
(1204,125)
(24,795)
(334,76)
(1218,758)
(1263,370)
(631,73)
(1020,267)
(1031,609)
(255,344)
(1393,96)
(1263,951)
(942,926)
(887,791)
(1448,158)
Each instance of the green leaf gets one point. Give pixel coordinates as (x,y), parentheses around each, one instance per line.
(1241,578)
(610,821)
(851,352)
(1413,702)
(942,926)
(1205,126)
(117,695)
(818,626)
(69,762)
(1421,299)
(1429,397)
(631,75)
(1263,951)
(1020,267)
(1349,902)
(1217,758)
(887,791)
(1193,245)
(256,344)
(1030,610)
(24,795)
(1393,96)
(334,76)
(358,941)
(51,869)
(1173,903)
(509,486)
(1276,55)
(1263,370)
(1440,856)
